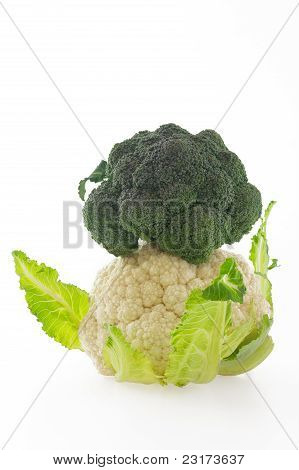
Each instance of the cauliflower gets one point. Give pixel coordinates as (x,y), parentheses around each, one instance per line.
(153,317)
(144,295)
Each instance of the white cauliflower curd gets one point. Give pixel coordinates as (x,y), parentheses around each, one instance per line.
(144,296)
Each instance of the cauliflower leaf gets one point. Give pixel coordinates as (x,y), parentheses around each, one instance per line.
(228,285)
(235,336)
(129,364)
(200,341)
(197,341)
(259,255)
(255,348)
(59,307)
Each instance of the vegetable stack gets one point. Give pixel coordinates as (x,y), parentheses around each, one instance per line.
(173,307)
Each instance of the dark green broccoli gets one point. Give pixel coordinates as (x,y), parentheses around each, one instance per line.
(187,194)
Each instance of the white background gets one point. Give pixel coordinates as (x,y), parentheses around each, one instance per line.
(126,66)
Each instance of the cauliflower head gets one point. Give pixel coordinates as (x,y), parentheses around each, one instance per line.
(144,296)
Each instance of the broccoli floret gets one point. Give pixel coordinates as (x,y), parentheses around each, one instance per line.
(101,217)
(186,194)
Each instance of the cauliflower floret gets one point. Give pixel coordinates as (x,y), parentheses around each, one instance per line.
(144,295)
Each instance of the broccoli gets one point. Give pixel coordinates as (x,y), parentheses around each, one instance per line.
(185,194)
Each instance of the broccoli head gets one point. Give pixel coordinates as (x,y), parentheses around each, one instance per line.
(186,194)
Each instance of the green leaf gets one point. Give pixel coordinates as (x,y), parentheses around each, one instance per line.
(256,337)
(259,255)
(228,285)
(235,336)
(255,348)
(59,307)
(96,177)
(237,367)
(129,364)
(274,264)
(196,342)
